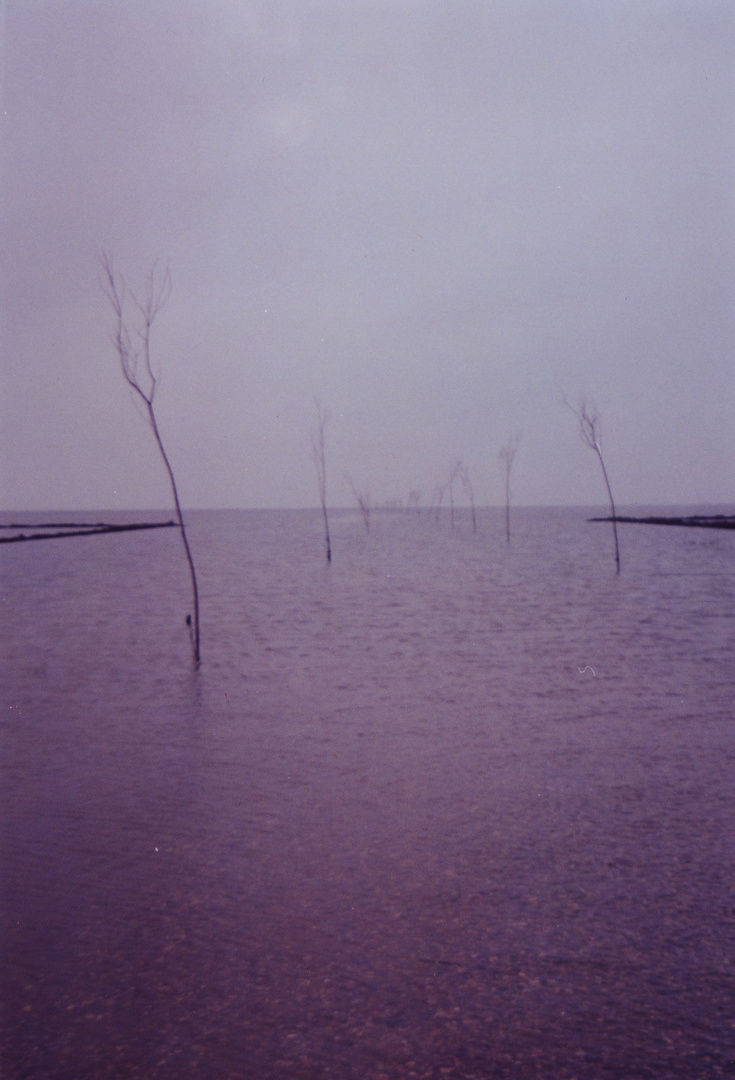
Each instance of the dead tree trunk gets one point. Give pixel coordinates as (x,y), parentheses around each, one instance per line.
(319,459)
(132,344)
(507,457)
(363,501)
(450,486)
(464,476)
(436,501)
(589,430)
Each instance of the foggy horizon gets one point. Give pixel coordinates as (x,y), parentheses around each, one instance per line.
(437,219)
(460,508)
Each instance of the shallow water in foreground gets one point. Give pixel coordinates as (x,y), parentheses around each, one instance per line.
(441,809)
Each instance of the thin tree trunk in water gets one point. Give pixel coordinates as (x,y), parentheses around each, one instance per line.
(507,456)
(184,538)
(612,510)
(318,453)
(327,540)
(589,429)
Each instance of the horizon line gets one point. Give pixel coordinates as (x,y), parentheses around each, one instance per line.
(379,508)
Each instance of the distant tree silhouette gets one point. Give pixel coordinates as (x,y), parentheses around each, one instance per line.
(463,475)
(319,458)
(132,341)
(507,457)
(413,502)
(363,501)
(458,473)
(589,430)
(437,499)
(453,473)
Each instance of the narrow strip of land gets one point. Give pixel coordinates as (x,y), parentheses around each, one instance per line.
(77,529)
(696,521)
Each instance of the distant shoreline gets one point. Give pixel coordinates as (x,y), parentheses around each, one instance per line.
(77,528)
(696,521)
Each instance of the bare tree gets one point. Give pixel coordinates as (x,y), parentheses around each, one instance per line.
(463,474)
(319,459)
(589,430)
(132,341)
(363,501)
(507,457)
(437,499)
(459,473)
(413,502)
(450,488)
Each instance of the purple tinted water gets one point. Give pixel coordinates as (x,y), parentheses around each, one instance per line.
(441,809)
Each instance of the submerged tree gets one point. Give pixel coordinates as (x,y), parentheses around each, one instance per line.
(132,341)
(363,501)
(319,459)
(413,502)
(437,499)
(458,473)
(463,475)
(589,430)
(507,457)
(453,472)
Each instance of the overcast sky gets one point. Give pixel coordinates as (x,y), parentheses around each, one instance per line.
(436,217)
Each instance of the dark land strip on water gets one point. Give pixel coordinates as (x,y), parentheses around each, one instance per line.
(75,528)
(708,521)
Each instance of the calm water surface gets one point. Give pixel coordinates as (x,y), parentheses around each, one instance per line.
(441,809)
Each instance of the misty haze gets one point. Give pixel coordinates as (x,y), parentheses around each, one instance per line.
(356,721)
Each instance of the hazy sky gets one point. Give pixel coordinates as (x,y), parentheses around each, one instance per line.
(438,217)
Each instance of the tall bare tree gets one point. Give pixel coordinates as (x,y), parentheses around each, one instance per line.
(319,458)
(131,338)
(507,456)
(589,430)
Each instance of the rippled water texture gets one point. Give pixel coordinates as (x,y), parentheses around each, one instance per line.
(441,809)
